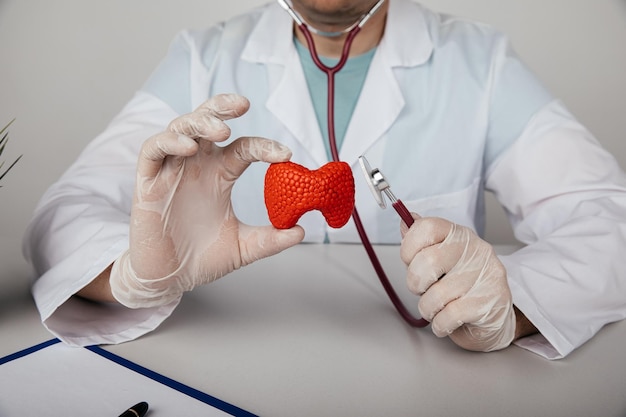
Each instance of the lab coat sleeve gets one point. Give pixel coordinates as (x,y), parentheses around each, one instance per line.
(81,226)
(566,198)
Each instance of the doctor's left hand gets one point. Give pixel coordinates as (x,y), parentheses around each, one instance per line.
(462,284)
(183,231)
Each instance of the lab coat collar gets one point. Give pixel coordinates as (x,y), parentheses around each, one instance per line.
(270,41)
(406,43)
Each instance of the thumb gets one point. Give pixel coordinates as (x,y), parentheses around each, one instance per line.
(404,228)
(260,242)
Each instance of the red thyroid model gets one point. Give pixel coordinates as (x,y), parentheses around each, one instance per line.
(292,190)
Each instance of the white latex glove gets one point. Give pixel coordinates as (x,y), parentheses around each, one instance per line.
(472,303)
(183,231)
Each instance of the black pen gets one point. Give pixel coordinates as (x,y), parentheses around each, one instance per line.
(137,410)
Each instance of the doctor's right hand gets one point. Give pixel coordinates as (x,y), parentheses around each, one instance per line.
(183,231)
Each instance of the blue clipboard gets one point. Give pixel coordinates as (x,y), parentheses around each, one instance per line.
(161,379)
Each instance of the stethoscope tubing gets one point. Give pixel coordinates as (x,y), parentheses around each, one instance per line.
(397,205)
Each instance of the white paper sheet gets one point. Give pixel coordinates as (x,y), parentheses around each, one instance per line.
(64,381)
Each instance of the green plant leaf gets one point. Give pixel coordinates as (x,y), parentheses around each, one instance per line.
(9,168)
(3,142)
(6,127)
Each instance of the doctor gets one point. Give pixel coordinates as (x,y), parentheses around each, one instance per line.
(170,195)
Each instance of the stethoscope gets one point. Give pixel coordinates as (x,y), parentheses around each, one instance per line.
(375,178)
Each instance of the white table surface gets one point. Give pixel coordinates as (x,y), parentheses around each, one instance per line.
(310,332)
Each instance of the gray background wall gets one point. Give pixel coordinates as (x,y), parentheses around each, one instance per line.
(68,66)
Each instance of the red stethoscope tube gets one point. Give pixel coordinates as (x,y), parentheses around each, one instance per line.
(397,204)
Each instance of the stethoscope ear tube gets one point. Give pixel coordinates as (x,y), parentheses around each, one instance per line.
(376,188)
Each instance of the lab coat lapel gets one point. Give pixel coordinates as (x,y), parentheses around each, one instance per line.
(378,107)
(289,101)
(406,43)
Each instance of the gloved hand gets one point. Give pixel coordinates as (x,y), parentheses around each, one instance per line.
(462,284)
(183,231)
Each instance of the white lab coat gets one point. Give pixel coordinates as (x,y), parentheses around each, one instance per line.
(447,111)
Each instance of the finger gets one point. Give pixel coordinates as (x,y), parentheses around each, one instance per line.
(428,265)
(432,262)
(207,121)
(425,232)
(243,151)
(464,310)
(260,242)
(160,146)
(446,290)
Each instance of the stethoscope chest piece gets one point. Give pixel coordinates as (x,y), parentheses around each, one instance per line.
(375,180)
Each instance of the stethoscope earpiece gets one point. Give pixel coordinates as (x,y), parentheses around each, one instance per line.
(301,22)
